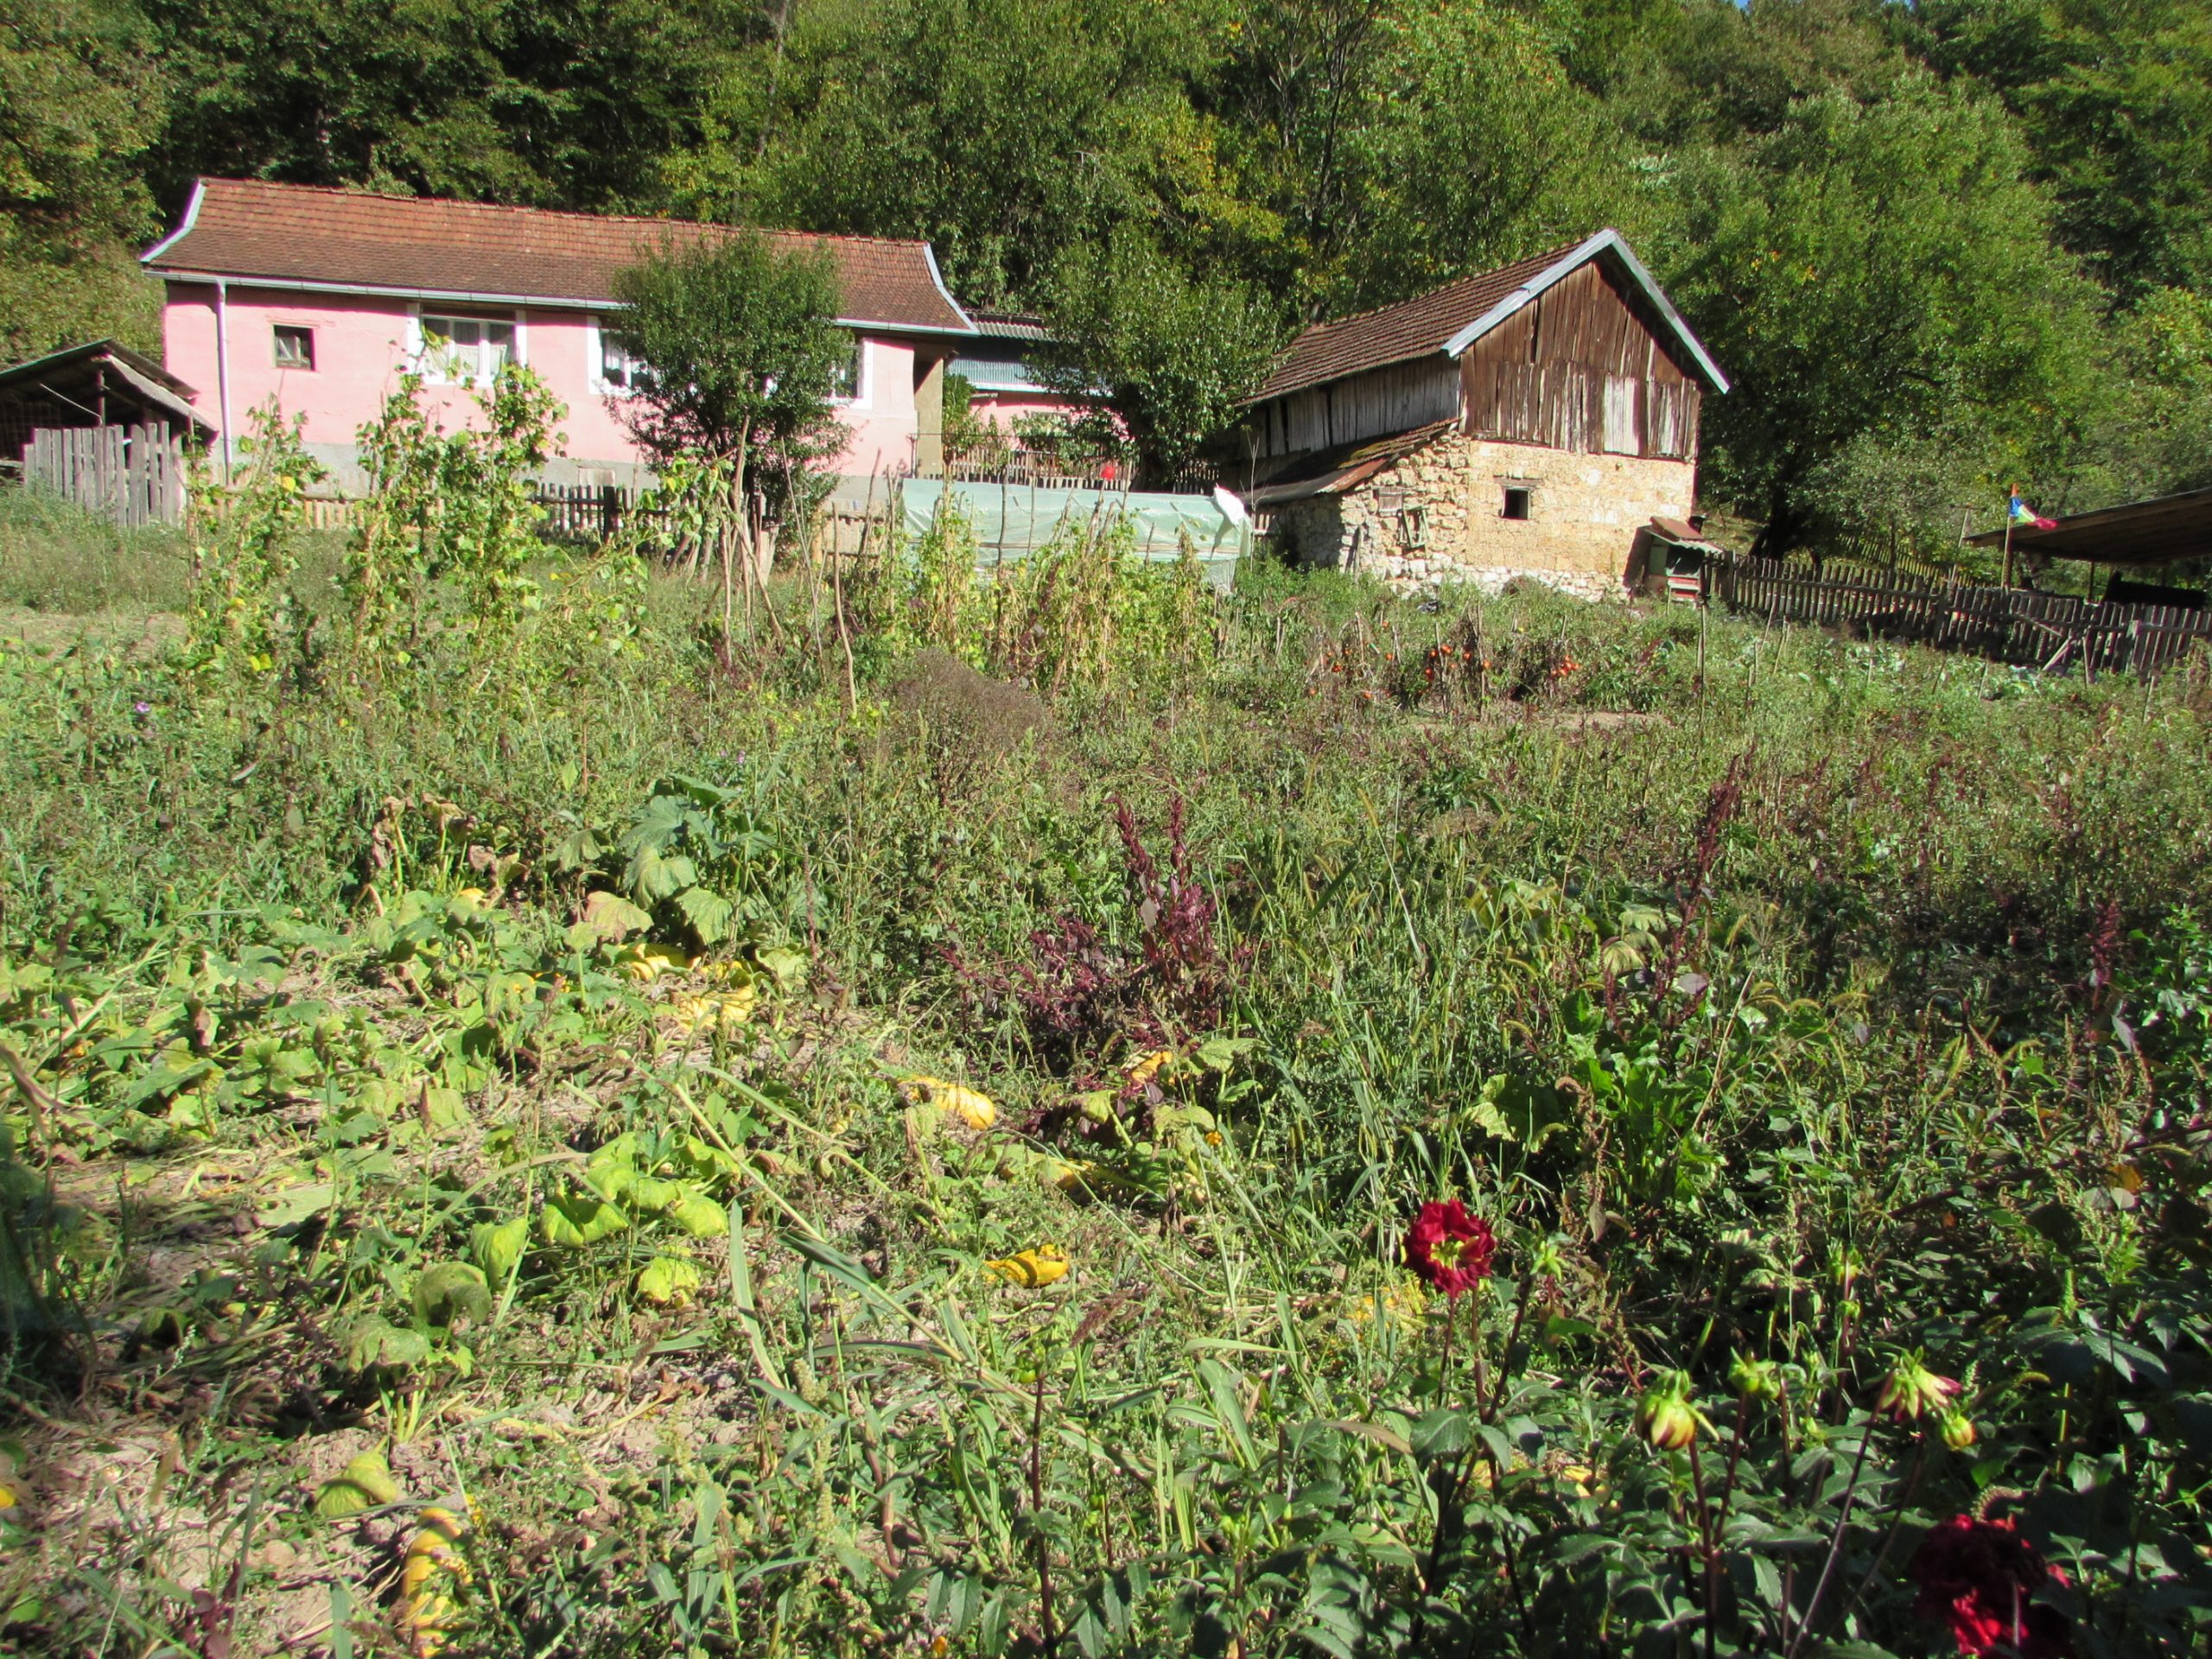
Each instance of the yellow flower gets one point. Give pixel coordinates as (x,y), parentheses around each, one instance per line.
(1143,1071)
(434,1571)
(1398,1303)
(1033,1269)
(969,1106)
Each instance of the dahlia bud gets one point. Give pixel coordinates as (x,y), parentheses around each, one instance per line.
(1956,1428)
(1910,1391)
(1664,1415)
(1755,1379)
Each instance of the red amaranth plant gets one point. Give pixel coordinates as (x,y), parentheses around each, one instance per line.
(1082,996)
(1189,976)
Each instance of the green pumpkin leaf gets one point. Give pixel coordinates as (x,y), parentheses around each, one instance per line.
(699,1215)
(578,850)
(708,911)
(373,1341)
(498,1245)
(609,916)
(787,962)
(450,1291)
(571,1224)
(668,1280)
(366,1484)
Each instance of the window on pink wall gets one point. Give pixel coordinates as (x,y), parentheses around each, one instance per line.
(616,371)
(849,383)
(460,349)
(294,346)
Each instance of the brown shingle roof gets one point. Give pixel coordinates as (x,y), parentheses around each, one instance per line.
(1394,334)
(275,233)
(1431,322)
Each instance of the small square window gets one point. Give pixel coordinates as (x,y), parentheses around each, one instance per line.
(1516,502)
(294,348)
(1412,527)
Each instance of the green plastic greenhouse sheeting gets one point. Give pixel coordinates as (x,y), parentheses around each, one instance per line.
(1011,521)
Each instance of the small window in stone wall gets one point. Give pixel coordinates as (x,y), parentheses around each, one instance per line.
(1413,526)
(1517,499)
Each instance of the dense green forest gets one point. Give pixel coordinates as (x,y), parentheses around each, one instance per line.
(1941,247)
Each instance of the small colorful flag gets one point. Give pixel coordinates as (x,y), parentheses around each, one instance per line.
(2021,513)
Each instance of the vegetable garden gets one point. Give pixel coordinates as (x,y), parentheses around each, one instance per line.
(1078,1116)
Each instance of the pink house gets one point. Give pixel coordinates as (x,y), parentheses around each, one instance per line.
(999,369)
(321,299)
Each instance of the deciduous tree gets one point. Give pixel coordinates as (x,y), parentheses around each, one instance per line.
(742,360)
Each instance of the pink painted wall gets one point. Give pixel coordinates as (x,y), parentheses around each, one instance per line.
(1005,408)
(361,350)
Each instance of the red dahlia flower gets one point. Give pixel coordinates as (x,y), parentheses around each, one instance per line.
(1976,1576)
(1449,1247)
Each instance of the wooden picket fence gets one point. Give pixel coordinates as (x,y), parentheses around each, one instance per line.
(591,512)
(2011,625)
(575,513)
(133,476)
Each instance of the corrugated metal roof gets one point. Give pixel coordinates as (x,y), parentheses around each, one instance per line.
(75,366)
(1452,318)
(1334,472)
(994,373)
(284,234)
(2157,531)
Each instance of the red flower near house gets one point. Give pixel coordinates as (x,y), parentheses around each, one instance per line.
(1449,1247)
(1976,1576)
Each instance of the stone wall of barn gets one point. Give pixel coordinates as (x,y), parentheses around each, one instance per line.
(1438,515)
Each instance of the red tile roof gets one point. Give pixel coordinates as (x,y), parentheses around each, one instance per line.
(260,232)
(1433,321)
(1010,325)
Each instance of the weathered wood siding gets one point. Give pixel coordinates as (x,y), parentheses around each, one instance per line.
(1581,367)
(134,475)
(1370,405)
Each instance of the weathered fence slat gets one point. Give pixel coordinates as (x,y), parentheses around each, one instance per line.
(2010,625)
(133,476)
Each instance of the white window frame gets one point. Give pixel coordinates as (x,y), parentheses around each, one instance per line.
(417,343)
(595,362)
(863,375)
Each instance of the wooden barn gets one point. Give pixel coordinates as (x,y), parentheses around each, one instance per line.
(1527,422)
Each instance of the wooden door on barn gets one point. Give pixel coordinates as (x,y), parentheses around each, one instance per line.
(133,476)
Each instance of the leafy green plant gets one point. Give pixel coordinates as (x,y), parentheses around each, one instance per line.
(246,549)
(450,531)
